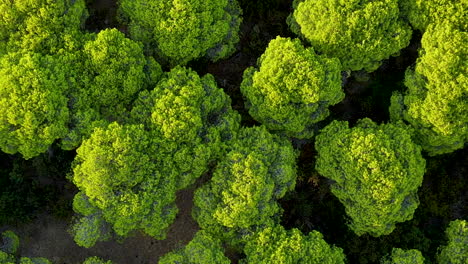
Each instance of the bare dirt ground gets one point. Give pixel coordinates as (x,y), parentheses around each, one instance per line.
(47,237)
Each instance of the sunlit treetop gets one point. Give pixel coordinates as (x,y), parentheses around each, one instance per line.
(96,260)
(40,25)
(276,245)
(422,13)
(400,256)
(455,251)
(33,103)
(180,31)
(376,171)
(202,249)
(435,103)
(292,87)
(361,33)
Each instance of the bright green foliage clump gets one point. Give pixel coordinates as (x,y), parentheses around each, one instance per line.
(105,76)
(192,115)
(9,244)
(122,171)
(435,103)
(422,13)
(39,25)
(96,260)
(361,33)
(376,170)
(277,245)
(181,31)
(257,171)
(292,88)
(33,104)
(456,250)
(400,256)
(203,249)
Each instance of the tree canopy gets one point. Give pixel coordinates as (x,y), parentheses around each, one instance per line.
(180,31)
(422,13)
(277,245)
(456,250)
(435,103)
(376,171)
(121,170)
(202,249)
(292,87)
(400,256)
(241,196)
(360,33)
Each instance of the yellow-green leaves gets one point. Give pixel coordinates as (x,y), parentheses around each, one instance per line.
(456,250)
(435,103)
(33,104)
(258,169)
(180,31)
(292,88)
(400,256)
(376,170)
(203,249)
(360,33)
(277,245)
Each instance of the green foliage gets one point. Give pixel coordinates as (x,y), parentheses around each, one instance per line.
(456,250)
(400,256)
(292,88)
(39,25)
(277,245)
(25,260)
(90,229)
(422,13)
(361,33)
(376,171)
(193,117)
(241,196)
(123,171)
(10,242)
(96,260)
(435,103)
(203,249)
(6,258)
(180,31)
(33,102)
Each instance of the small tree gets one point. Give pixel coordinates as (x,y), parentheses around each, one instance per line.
(435,103)
(422,13)
(376,171)
(277,245)
(292,88)
(9,244)
(203,249)
(96,260)
(360,33)
(181,31)
(124,172)
(193,117)
(241,196)
(400,256)
(456,250)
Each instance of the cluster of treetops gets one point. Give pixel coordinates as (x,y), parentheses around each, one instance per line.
(141,133)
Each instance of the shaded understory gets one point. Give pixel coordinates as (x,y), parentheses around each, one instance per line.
(36,196)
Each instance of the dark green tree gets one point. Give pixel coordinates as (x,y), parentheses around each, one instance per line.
(361,33)
(292,87)
(242,195)
(435,103)
(456,250)
(277,245)
(376,171)
(203,249)
(180,31)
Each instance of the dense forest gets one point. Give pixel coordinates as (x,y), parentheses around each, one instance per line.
(233,131)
